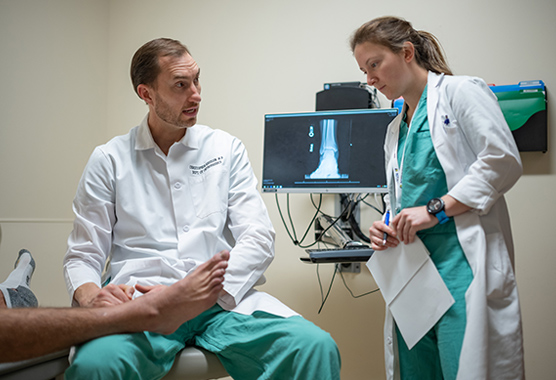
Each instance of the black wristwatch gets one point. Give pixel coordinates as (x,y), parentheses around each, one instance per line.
(436,207)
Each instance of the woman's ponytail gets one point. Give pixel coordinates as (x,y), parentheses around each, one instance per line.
(429,54)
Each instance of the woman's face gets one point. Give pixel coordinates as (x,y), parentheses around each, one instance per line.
(385,70)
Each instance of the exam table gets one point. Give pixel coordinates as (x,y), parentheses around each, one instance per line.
(192,363)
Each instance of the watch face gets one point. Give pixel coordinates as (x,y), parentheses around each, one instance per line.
(435,205)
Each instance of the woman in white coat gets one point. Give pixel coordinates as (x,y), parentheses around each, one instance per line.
(450,157)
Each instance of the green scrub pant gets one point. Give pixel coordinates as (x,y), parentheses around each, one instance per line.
(436,355)
(257,346)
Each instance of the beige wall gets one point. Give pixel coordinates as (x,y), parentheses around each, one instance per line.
(65,89)
(53,70)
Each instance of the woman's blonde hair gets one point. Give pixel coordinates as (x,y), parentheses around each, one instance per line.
(392,32)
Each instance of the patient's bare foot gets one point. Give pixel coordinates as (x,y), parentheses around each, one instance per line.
(187,298)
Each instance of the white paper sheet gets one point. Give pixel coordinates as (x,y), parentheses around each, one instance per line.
(412,288)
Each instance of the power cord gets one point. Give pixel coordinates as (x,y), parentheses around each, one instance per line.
(293,235)
(381,212)
(325,298)
(348,203)
(350,292)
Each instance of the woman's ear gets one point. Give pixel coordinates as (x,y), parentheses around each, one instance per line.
(408,51)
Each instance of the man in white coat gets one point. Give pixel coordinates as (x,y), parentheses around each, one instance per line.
(153,205)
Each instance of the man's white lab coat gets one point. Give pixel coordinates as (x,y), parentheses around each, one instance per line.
(157,217)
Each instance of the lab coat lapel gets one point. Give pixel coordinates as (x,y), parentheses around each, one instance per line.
(434,81)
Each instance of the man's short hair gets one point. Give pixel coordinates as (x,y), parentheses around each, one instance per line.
(144,65)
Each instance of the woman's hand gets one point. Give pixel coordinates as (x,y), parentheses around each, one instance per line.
(376,233)
(411,220)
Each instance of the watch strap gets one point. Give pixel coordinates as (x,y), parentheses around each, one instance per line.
(442,217)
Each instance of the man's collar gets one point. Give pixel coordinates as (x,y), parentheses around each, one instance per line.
(146,141)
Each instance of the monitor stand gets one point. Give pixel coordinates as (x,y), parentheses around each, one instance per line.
(338,234)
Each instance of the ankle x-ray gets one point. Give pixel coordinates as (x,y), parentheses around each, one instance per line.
(329,151)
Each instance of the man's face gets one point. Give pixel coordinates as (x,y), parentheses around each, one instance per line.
(177,94)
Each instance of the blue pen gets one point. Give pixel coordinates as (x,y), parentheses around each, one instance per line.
(387,222)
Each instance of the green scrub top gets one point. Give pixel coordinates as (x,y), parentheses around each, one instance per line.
(423,178)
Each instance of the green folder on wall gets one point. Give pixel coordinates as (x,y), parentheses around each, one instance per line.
(524,107)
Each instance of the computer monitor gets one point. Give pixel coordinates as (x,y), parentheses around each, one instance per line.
(325,151)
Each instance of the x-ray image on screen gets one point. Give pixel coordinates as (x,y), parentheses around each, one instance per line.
(328,151)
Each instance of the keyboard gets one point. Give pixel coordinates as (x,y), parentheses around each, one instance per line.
(351,254)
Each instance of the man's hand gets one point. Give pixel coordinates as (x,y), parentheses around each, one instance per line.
(89,295)
(150,289)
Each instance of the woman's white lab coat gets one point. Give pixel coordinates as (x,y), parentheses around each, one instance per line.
(478,154)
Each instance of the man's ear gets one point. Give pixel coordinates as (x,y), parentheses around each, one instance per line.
(408,51)
(145,93)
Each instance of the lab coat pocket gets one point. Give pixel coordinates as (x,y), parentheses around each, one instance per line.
(500,276)
(457,143)
(209,192)
(451,129)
